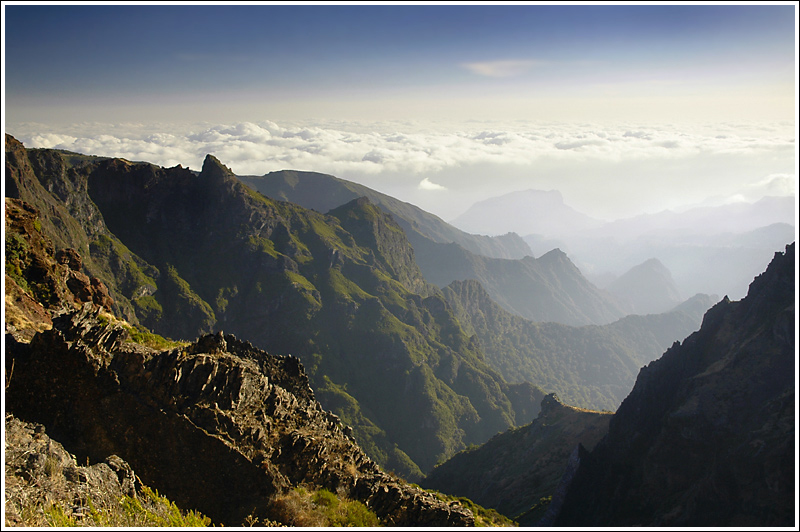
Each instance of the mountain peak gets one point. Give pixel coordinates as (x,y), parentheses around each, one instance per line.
(214,169)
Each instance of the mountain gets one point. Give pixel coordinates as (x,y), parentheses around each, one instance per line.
(590,366)
(518,471)
(550,288)
(546,289)
(648,287)
(707,435)
(711,249)
(525,212)
(323,192)
(185,254)
(722,263)
(705,221)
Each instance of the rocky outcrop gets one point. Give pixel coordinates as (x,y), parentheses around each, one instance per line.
(53,277)
(515,470)
(218,426)
(39,473)
(707,435)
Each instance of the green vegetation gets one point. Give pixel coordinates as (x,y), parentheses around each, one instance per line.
(141,335)
(262,245)
(321,508)
(16,258)
(591,366)
(148,309)
(152,510)
(484,517)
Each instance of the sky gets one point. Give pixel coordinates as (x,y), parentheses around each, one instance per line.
(624,109)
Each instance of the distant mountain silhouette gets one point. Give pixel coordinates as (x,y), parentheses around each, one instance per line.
(648,288)
(525,212)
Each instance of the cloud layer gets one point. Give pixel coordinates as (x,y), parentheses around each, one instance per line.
(423,158)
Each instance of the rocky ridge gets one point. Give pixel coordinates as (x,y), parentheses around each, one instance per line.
(218,425)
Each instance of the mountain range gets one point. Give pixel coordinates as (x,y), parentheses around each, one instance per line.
(338,309)
(710,249)
(184,254)
(706,437)
(323,192)
(549,288)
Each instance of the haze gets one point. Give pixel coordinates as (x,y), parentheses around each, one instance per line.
(624,109)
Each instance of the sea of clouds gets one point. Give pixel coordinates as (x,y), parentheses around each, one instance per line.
(415,160)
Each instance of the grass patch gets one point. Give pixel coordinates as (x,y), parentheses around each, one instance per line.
(148,510)
(321,508)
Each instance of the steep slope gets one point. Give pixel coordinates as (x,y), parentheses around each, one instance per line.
(219,425)
(49,181)
(707,435)
(648,288)
(590,366)
(381,347)
(323,192)
(517,471)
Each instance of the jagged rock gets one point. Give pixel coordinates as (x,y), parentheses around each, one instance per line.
(69,257)
(55,278)
(218,426)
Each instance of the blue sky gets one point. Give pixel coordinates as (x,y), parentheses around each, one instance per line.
(152,55)
(429,95)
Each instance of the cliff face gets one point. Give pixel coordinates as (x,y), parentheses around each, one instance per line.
(706,436)
(218,425)
(517,470)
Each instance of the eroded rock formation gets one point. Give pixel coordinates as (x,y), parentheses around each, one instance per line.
(218,426)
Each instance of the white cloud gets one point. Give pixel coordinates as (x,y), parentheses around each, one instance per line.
(501,69)
(470,160)
(427,184)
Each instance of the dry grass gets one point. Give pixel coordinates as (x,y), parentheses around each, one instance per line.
(45,487)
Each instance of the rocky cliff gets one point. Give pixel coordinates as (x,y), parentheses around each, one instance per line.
(707,435)
(218,425)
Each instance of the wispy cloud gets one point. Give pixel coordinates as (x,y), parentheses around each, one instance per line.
(502,69)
